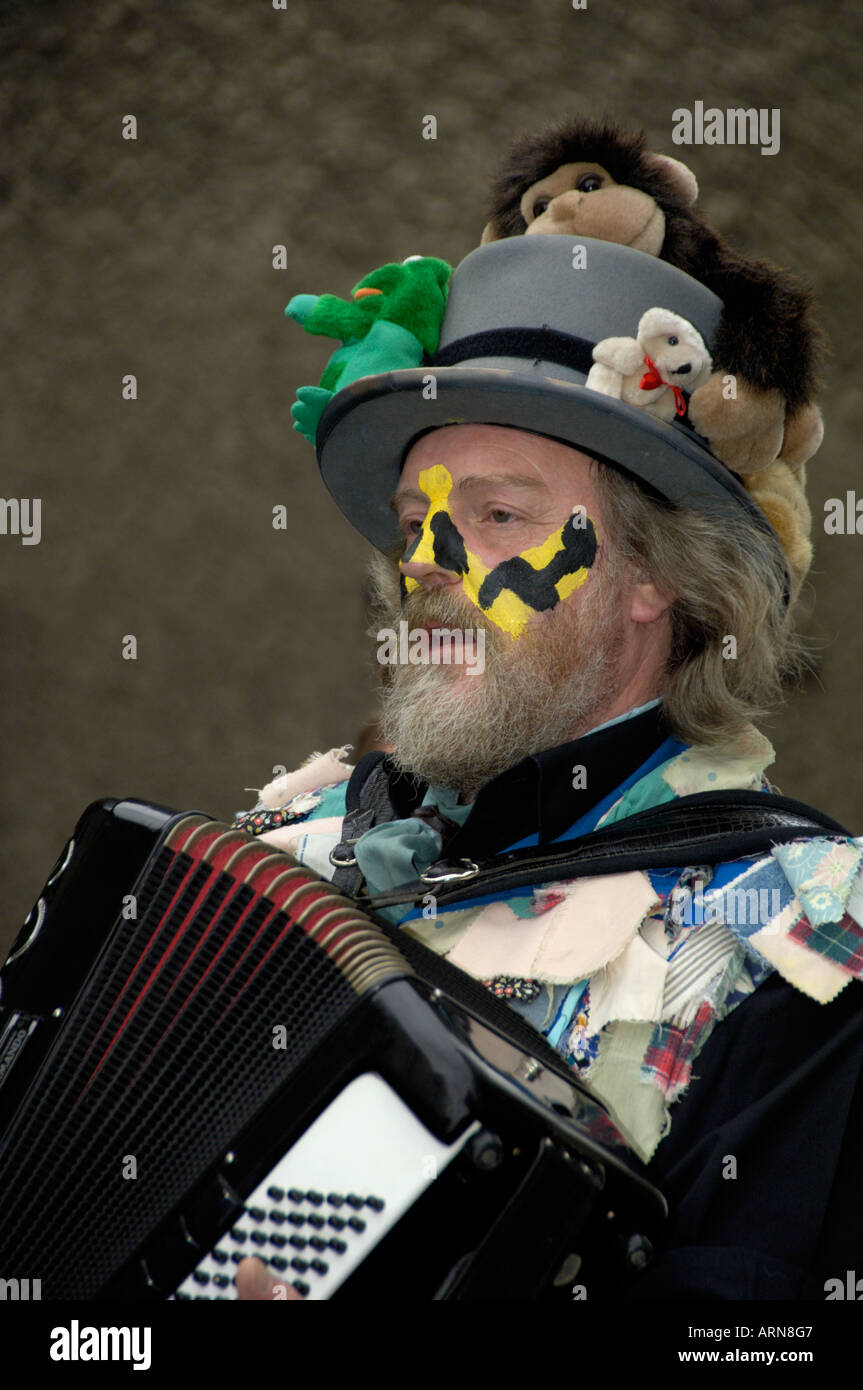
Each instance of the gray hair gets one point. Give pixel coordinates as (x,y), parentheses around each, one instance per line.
(727,583)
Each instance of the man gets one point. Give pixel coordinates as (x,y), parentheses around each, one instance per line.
(632,624)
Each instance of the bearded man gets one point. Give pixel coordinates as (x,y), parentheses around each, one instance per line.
(634,608)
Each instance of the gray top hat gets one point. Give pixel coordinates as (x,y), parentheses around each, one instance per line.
(515,349)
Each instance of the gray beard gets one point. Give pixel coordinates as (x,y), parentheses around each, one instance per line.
(458,731)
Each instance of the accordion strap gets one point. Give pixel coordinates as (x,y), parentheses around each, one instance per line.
(705,828)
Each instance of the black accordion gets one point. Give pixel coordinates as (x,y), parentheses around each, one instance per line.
(206,1052)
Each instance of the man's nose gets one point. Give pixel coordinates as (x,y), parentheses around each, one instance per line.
(434,567)
(429,573)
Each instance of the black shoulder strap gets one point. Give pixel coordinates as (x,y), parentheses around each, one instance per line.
(706,828)
(368,803)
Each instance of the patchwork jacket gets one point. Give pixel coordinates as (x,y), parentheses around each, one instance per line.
(728,1119)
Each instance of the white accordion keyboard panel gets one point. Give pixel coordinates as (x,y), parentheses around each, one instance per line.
(329,1200)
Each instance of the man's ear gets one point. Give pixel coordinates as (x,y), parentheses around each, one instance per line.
(489,233)
(647,604)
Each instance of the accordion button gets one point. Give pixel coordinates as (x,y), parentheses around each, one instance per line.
(337,1223)
(315,1198)
(279,1262)
(221,1281)
(376,1203)
(335,1200)
(356,1224)
(279,1240)
(320,1267)
(200,1277)
(257,1213)
(318,1243)
(277,1193)
(301,1287)
(277,1217)
(238,1234)
(296,1219)
(317,1221)
(300,1265)
(338,1245)
(259,1237)
(354,1201)
(295,1195)
(220,1256)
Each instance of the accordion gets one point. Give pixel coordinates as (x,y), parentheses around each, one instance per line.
(206,1052)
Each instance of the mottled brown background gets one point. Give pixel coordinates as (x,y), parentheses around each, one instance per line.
(258,126)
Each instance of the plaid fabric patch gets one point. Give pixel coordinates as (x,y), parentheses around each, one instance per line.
(841,941)
(668,1060)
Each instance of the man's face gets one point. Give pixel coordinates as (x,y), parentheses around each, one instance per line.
(503,534)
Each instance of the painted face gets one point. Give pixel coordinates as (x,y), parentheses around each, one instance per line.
(511,592)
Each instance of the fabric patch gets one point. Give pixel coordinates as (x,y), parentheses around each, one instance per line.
(841,942)
(595,921)
(631,987)
(800,965)
(259,822)
(319,770)
(668,1060)
(511,987)
(308,842)
(638,1111)
(694,967)
(737,764)
(441,932)
(821,872)
(749,902)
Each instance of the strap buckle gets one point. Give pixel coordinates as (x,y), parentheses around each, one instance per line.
(446,872)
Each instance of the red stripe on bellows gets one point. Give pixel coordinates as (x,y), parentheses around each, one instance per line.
(196,855)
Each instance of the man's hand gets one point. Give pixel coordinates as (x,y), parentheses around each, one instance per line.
(254,1281)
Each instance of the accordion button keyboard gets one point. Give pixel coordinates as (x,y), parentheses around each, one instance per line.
(368,1156)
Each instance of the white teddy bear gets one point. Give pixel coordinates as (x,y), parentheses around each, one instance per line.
(651,370)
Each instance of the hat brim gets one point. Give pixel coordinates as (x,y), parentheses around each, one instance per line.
(368,427)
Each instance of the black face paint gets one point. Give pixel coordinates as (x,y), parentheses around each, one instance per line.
(449,548)
(536,587)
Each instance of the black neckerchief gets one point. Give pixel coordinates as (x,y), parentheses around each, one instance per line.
(537,795)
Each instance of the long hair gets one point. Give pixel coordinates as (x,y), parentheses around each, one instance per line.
(734,651)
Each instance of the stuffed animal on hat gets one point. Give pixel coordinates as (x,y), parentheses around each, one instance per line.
(588,178)
(780,492)
(652,369)
(391,320)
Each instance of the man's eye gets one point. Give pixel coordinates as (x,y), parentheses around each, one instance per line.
(500,514)
(412,528)
(540,206)
(589,183)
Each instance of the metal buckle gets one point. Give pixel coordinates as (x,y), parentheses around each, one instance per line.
(442,873)
(340,863)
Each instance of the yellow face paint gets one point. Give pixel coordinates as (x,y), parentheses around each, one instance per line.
(511,592)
